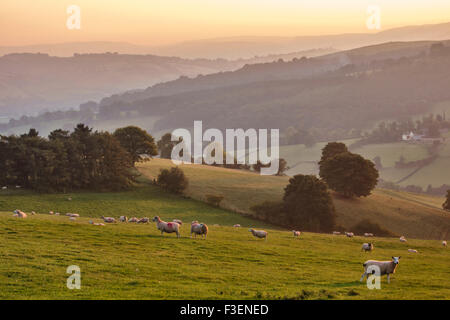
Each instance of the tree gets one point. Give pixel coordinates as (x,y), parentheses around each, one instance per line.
(332,149)
(282,167)
(308,204)
(349,174)
(137,142)
(166,145)
(258,165)
(173,180)
(446,205)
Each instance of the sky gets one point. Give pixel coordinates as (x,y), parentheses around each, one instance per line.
(163,22)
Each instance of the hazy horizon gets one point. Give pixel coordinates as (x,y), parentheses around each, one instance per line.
(161,23)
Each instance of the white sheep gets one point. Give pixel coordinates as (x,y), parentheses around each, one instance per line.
(178,221)
(349,234)
(199,228)
(259,233)
(168,227)
(402,239)
(57,213)
(33,213)
(20,214)
(296,233)
(108,219)
(4,188)
(123,219)
(237,226)
(444,243)
(413,251)
(51,213)
(367,247)
(366,234)
(72,218)
(336,233)
(75,215)
(144,220)
(385,267)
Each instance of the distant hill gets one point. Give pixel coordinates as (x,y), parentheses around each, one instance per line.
(31,83)
(238,47)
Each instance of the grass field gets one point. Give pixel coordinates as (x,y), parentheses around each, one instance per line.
(400,212)
(129,261)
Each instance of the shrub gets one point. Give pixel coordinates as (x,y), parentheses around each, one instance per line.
(173,180)
(214,200)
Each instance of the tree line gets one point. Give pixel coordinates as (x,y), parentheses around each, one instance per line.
(79,160)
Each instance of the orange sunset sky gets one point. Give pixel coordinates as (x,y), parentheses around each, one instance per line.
(160,22)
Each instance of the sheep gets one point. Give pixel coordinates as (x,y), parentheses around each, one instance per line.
(237,226)
(349,234)
(4,188)
(367,247)
(51,213)
(134,219)
(96,223)
(123,219)
(199,228)
(444,243)
(72,218)
(20,214)
(259,233)
(413,251)
(57,213)
(33,213)
(108,219)
(74,215)
(18,187)
(368,234)
(178,221)
(402,239)
(336,233)
(296,233)
(386,267)
(69,199)
(168,227)
(144,220)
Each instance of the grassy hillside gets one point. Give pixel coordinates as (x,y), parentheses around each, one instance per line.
(129,261)
(401,212)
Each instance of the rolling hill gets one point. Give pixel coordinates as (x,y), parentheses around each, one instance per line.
(415,216)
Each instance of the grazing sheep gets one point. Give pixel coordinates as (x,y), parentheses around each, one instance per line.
(237,226)
(413,251)
(386,267)
(69,199)
(108,219)
(199,228)
(368,234)
(367,247)
(168,227)
(4,188)
(51,213)
(18,187)
(259,233)
(144,220)
(21,214)
(75,215)
(57,213)
(134,219)
(349,234)
(72,218)
(123,219)
(444,243)
(178,221)
(96,223)
(402,239)
(33,213)
(296,233)
(336,233)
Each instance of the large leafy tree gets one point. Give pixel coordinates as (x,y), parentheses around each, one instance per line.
(137,142)
(173,180)
(166,145)
(308,204)
(332,149)
(349,174)
(446,205)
